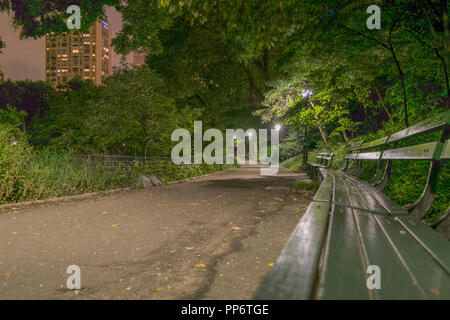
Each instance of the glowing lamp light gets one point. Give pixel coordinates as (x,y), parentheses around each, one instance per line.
(306,93)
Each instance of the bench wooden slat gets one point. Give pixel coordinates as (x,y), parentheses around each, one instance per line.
(426,151)
(342,275)
(433,124)
(387,203)
(359,197)
(324,157)
(376,249)
(374,143)
(368,155)
(395,282)
(430,279)
(325,190)
(430,239)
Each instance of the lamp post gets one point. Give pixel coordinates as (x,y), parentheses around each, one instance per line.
(306,94)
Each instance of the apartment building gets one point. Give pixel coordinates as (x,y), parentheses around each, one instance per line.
(87,55)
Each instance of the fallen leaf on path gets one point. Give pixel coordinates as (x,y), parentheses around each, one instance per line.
(236,228)
(434,291)
(200,265)
(14,232)
(114,225)
(193,204)
(189,248)
(295,199)
(271,264)
(104,213)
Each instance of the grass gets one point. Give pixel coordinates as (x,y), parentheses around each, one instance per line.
(294,164)
(50,175)
(314,186)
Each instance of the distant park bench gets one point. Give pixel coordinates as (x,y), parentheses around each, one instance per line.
(323,160)
(351,225)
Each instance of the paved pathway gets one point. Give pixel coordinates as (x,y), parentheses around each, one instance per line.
(213,238)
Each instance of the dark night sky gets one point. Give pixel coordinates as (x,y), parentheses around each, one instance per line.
(25,59)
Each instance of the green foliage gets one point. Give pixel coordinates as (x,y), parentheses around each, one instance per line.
(291,146)
(293,163)
(33,97)
(128,114)
(314,186)
(15,154)
(38,17)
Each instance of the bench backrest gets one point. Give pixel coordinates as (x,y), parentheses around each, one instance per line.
(325,158)
(436,152)
(427,151)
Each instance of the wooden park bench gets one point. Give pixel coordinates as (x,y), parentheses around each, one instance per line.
(323,160)
(351,225)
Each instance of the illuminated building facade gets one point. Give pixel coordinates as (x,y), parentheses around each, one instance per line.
(72,54)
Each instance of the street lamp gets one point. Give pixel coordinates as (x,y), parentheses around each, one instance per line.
(306,93)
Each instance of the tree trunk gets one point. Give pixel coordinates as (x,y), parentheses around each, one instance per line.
(402,78)
(347,140)
(385,108)
(324,135)
(322,132)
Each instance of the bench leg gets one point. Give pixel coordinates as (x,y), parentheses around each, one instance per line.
(423,204)
(319,177)
(382,183)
